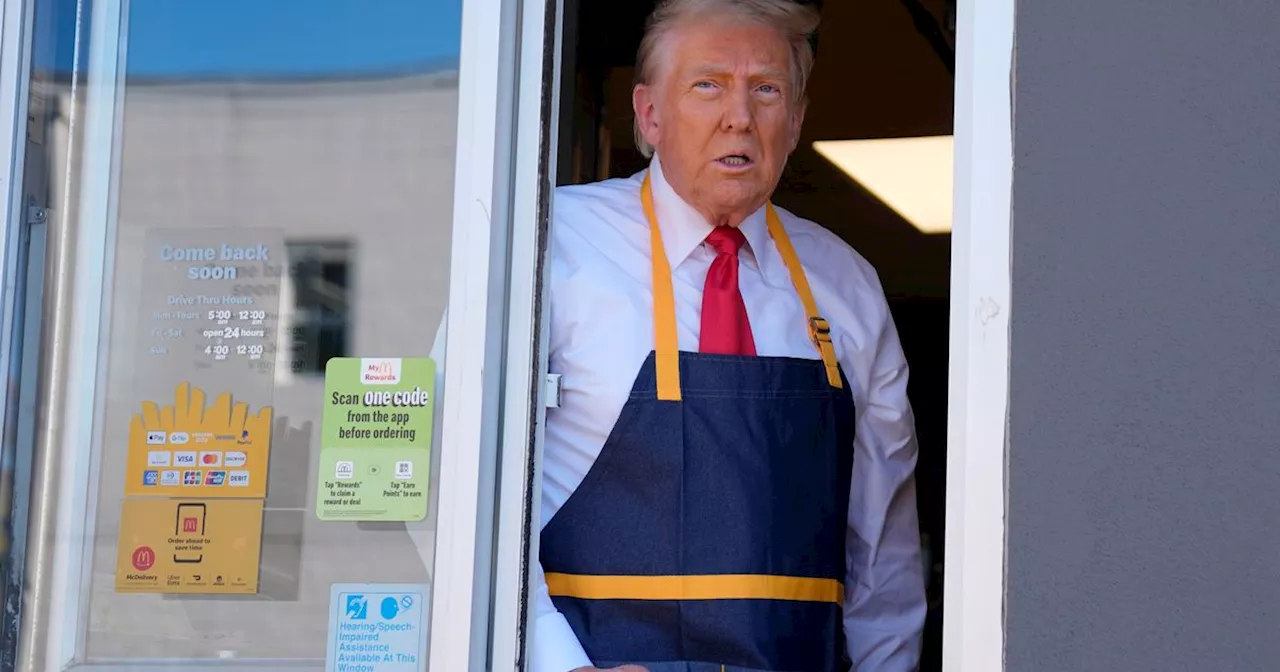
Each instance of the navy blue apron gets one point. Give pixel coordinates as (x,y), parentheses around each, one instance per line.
(709,535)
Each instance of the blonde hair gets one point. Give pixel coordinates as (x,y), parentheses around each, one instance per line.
(796,22)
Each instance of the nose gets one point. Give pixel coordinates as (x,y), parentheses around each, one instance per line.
(737,114)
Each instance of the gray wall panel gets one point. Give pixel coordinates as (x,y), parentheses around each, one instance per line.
(1144,465)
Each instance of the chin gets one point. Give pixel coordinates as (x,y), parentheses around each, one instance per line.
(732,195)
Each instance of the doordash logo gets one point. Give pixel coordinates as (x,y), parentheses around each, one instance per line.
(380,371)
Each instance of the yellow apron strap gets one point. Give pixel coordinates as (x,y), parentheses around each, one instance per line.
(666,344)
(819,329)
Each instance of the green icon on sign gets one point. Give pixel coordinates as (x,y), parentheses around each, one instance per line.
(378,413)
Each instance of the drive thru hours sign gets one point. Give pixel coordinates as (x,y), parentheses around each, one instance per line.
(377,627)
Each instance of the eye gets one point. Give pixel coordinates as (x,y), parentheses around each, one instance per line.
(704,84)
(769,89)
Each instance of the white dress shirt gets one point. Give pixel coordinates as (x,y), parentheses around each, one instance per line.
(601,331)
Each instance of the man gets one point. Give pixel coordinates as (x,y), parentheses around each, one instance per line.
(747,503)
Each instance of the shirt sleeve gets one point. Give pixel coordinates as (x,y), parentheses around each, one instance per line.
(555,647)
(885,605)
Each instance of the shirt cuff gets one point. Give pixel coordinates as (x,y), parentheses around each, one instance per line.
(555,647)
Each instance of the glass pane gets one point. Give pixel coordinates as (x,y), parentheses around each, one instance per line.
(280,183)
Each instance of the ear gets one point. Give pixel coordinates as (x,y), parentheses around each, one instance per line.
(646,109)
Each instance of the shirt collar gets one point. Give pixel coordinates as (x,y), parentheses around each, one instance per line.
(684,228)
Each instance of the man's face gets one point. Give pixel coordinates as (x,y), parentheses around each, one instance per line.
(722,114)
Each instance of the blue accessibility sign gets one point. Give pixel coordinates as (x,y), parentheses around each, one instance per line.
(389,637)
(357,607)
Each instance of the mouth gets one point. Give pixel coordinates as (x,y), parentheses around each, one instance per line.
(735,161)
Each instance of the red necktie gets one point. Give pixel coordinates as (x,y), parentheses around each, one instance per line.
(725,328)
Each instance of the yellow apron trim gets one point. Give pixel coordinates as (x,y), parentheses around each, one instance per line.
(697,587)
(819,330)
(666,343)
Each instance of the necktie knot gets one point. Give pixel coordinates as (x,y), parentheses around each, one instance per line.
(726,239)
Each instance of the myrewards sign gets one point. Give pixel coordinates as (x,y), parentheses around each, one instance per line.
(380,371)
(375,445)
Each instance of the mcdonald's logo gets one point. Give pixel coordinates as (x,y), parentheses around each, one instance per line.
(143,558)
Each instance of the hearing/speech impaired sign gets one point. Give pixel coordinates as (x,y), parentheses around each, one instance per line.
(375,449)
(377,628)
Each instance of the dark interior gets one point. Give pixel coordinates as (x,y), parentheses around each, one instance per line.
(883,71)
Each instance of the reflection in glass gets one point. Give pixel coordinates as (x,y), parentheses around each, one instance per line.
(331,124)
(320,320)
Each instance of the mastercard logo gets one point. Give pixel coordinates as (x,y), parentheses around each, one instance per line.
(211,459)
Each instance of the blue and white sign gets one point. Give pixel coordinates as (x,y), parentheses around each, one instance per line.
(377,627)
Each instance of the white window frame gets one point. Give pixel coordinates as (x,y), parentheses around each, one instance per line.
(499,188)
(524,409)
(978,395)
(973,629)
(483,291)
(15,24)
(55,613)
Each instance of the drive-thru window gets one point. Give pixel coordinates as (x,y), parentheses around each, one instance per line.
(241,428)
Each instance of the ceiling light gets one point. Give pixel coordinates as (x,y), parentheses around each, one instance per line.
(913,176)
